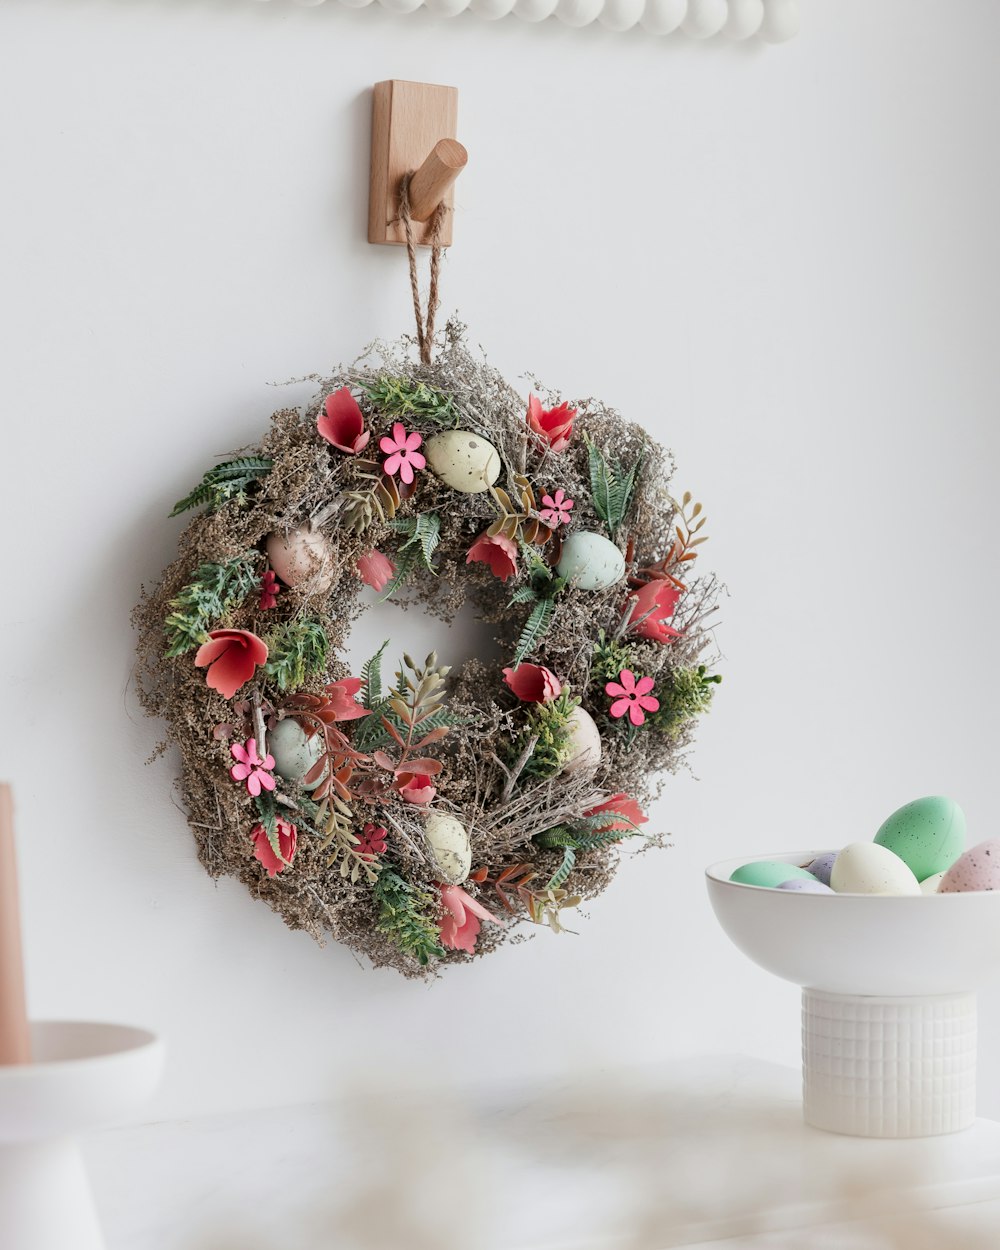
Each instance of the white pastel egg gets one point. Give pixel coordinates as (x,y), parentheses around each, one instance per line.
(705,18)
(464,461)
(781,20)
(745,17)
(451,850)
(621,14)
(303,557)
(591,561)
(534,10)
(662,17)
(578,12)
(867,868)
(585,743)
(931,884)
(294,751)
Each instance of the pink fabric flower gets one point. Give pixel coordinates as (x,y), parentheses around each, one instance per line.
(415,787)
(555,425)
(371,841)
(231,655)
(249,767)
(659,598)
(264,851)
(269,589)
(498,552)
(533,683)
(632,696)
(402,453)
(622,806)
(556,510)
(341,422)
(460,924)
(375,569)
(342,700)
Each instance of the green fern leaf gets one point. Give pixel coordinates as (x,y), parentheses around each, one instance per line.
(371,677)
(561,874)
(535,629)
(230,480)
(600,482)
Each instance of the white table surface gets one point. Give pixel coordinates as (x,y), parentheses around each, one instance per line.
(709,1153)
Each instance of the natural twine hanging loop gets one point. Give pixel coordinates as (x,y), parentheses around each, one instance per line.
(425,321)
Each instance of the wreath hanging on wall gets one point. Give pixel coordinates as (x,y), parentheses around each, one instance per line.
(416,813)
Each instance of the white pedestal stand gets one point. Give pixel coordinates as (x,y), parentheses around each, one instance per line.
(83,1076)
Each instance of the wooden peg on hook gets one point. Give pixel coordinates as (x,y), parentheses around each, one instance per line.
(413,131)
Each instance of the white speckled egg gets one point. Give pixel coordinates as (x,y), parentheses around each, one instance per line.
(464,461)
(585,743)
(867,868)
(591,561)
(293,750)
(450,848)
(931,885)
(302,557)
(977,869)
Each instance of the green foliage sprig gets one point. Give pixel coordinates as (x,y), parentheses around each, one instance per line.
(408,916)
(612,486)
(412,714)
(296,649)
(540,590)
(550,724)
(204,602)
(229,481)
(402,397)
(688,695)
(423,533)
(611,655)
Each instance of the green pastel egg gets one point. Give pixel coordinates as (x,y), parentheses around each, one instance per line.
(927,834)
(769,873)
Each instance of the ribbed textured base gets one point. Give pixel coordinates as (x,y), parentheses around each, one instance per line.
(889,1067)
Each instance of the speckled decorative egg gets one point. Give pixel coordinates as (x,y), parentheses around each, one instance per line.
(931,885)
(451,850)
(585,743)
(591,561)
(293,750)
(822,866)
(977,869)
(867,868)
(464,461)
(927,834)
(801,885)
(769,873)
(302,556)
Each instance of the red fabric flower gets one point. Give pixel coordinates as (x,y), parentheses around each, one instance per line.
(269,589)
(341,422)
(344,704)
(415,787)
(232,655)
(555,425)
(249,767)
(371,841)
(375,569)
(533,683)
(623,806)
(632,696)
(401,450)
(264,851)
(460,924)
(556,510)
(659,599)
(498,552)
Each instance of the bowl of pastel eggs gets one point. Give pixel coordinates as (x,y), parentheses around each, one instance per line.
(890,937)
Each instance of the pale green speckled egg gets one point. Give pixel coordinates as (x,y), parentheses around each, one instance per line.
(769,873)
(464,461)
(927,834)
(293,750)
(591,561)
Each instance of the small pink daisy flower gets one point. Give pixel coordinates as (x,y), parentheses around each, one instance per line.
(556,510)
(249,767)
(632,696)
(402,453)
(269,589)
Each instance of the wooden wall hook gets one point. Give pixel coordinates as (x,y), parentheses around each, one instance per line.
(413,129)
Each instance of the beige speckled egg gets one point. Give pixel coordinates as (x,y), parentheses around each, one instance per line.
(302,557)
(867,868)
(977,869)
(591,561)
(464,461)
(585,740)
(450,848)
(293,750)
(931,885)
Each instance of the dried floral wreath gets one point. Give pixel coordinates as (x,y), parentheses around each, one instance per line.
(418,821)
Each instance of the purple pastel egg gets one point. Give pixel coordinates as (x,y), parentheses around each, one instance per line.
(822,866)
(805,886)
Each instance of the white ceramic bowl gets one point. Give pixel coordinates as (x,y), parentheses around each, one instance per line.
(868,944)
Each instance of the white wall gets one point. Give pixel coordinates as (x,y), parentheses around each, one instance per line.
(784,261)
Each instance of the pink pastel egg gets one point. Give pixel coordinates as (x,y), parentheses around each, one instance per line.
(977,869)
